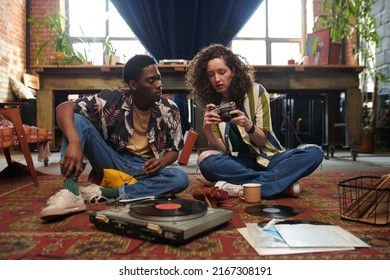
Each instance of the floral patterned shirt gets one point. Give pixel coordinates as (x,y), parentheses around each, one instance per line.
(111,112)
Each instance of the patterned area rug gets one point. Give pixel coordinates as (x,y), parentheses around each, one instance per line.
(24,236)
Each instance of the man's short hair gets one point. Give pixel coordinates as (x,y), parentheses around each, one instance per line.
(134,67)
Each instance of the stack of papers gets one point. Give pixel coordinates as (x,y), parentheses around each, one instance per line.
(279,239)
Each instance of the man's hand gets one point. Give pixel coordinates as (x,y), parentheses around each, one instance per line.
(72,161)
(152,166)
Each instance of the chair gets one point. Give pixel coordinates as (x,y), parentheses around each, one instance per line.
(12,112)
(13,133)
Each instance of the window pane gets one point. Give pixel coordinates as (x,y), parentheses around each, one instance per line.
(253,50)
(93,51)
(94,28)
(282,52)
(117,26)
(255,27)
(284,18)
(93,24)
(127,49)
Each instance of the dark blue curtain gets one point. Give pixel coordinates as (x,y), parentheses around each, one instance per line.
(178,29)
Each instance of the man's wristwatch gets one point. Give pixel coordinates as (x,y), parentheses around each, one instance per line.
(252,129)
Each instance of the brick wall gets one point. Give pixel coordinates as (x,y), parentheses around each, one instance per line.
(12,44)
(317,8)
(40,9)
(13,38)
(381,12)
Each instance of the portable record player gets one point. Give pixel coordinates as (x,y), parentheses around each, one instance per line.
(174,221)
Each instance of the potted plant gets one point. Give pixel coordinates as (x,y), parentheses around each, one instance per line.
(338,16)
(352,21)
(365,53)
(110,53)
(59,39)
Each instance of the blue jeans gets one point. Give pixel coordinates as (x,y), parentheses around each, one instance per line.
(283,170)
(101,156)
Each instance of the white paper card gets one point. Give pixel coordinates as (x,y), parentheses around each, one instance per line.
(307,235)
(263,251)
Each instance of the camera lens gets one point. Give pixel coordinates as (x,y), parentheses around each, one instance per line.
(226,117)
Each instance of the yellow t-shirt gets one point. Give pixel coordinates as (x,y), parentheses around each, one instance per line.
(139,143)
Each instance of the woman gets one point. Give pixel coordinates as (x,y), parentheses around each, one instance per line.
(245,148)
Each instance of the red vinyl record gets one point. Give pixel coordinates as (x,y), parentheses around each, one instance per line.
(168,210)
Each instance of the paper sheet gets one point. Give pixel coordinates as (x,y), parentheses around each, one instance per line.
(267,251)
(307,235)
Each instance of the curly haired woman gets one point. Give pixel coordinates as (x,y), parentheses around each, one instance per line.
(244,149)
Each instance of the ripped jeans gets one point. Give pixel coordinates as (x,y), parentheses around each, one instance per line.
(283,170)
(101,155)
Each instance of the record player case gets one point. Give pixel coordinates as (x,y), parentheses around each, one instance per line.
(119,221)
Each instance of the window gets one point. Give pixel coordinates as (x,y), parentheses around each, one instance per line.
(274,34)
(104,21)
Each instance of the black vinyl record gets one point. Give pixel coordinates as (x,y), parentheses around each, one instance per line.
(272,211)
(168,210)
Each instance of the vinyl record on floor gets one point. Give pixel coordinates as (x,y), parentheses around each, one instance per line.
(272,211)
(292,222)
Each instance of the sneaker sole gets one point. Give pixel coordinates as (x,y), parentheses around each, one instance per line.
(54,213)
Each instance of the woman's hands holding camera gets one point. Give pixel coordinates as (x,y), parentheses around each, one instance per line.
(211,117)
(241,119)
(236,117)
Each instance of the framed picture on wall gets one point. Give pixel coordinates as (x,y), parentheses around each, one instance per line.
(317,47)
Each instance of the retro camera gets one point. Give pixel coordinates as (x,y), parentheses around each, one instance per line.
(224,109)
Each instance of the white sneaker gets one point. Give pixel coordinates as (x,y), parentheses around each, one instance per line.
(294,190)
(92,194)
(62,203)
(231,189)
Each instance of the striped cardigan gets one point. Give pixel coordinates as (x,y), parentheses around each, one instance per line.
(257,109)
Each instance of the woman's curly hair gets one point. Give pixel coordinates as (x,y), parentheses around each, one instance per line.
(198,84)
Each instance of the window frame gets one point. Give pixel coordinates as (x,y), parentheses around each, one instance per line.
(101,40)
(270,40)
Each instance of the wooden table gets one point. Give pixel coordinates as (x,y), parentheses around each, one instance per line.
(330,80)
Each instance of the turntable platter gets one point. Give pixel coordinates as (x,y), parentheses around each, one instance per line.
(168,210)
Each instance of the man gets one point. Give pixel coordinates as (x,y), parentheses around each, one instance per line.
(134,130)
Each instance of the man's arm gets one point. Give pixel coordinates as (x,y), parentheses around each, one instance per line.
(73,157)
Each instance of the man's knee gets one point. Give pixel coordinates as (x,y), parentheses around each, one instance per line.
(206,154)
(314,150)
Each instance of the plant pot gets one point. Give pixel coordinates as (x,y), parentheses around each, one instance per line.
(335,53)
(111,59)
(59,56)
(368,143)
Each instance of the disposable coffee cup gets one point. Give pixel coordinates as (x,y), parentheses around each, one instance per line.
(250,192)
